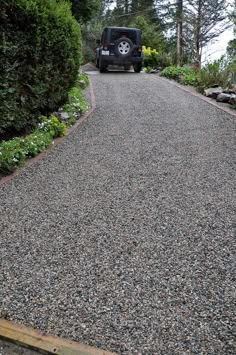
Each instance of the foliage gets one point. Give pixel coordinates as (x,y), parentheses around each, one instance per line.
(84,77)
(14,152)
(164,60)
(189,79)
(76,104)
(12,155)
(214,74)
(150,57)
(36,143)
(176,72)
(52,126)
(40,56)
(148,69)
(204,21)
(152,35)
(84,10)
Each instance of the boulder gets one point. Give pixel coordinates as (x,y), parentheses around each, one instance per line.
(232,100)
(232,89)
(223,97)
(82,84)
(62,116)
(213,92)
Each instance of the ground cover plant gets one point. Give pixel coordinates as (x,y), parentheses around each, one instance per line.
(176,73)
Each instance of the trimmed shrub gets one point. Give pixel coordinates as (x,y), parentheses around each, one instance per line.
(176,72)
(40,55)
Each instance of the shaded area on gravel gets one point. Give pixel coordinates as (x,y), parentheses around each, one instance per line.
(123,236)
(7,348)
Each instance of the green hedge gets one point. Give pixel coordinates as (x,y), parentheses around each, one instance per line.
(40,48)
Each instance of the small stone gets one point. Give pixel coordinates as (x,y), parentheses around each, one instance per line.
(223,97)
(62,116)
(82,84)
(213,92)
(232,100)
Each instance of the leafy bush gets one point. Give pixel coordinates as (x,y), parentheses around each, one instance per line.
(150,57)
(176,72)
(189,79)
(36,143)
(14,152)
(164,60)
(40,57)
(148,69)
(214,74)
(52,126)
(12,155)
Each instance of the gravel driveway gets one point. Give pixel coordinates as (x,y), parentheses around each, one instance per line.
(123,236)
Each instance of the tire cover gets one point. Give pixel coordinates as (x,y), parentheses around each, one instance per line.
(129,42)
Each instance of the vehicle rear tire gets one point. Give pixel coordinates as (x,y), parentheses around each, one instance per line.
(102,66)
(137,67)
(97,63)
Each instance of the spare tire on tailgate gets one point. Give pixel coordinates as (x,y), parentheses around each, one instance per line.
(123,47)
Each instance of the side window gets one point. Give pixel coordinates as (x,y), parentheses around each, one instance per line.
(132,35)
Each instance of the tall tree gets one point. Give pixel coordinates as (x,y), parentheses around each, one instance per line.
(231,49)
(179,16)
(85,10)
(205,20)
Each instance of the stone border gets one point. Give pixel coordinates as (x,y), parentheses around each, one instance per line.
(44,343)
(204,98)
(57,141)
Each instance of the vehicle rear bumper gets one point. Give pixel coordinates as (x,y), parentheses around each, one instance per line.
(109,59)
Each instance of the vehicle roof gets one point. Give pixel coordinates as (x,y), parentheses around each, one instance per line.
(122,28)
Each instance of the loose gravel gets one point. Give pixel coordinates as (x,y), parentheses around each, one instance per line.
(123,236)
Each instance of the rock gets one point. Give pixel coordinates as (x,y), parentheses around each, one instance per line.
(232,100)
(89,67)
(223,97)
(232,89)
(82,84)
(213,92)
(62,116)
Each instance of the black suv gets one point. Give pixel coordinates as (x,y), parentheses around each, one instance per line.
(120,46)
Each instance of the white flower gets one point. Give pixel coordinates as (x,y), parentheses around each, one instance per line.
(15,160)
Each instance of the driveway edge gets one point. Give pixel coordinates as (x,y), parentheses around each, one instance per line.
(57,141)
(44,343)
(204,98)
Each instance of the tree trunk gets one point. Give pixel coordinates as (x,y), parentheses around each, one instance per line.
(179,14)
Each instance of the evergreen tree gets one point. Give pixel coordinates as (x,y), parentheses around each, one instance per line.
(204,20)
(85,10)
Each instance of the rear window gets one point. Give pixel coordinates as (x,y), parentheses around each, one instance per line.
(132,35)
